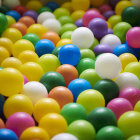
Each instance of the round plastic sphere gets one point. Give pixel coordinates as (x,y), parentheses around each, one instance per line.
(108,66)
(19,121)
(14,14)
(3,54)
(2,100)
(2,125)
(3,23)
(4,9)
(33,133)
(11,82)
(45,106)
(37,29)
(61,12)
(49,62)
(91,99)
(11,20)
(73,112)
(43,9)
(20,9)
(79,23)
(64,136)
(82,37)
(110,31)
(127,79)
(17,103)
(12,34)
(104,8)
(129,123)
(62,95)
(65,19)
(53,123)
(25,79)
(12,4)
(137,106)
(78,14)
(51,80)
(108,88)
(32,14)
(135,137)
(119,106)
(6,134)
(52,5)
(77,86)
(32,71)
(109,133)
(63,42)
(108,14)
(82,130)
(56,51)
(87,53)
(35,91)
(67,35)
(67,5)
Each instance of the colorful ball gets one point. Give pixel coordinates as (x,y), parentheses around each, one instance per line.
(77,14)
(79,23)
(25,79)
(3,23)
(32,14)
(87,53)
(11,20)
(65,19)
(14,14)
(67,5)
(3,54)
(63,42)
(56,51)
(52,5)
(20,9)
(59,12)
(67,35)
(137,106)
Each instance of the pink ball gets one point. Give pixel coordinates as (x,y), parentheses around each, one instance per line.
(133,37)
(89,15)
(105,8)
(19,121)
(132,94)
(119,106)
(25,80)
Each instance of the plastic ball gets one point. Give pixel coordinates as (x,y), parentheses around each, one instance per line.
(78,14)
(2,125)
(14,14)
(67,35)
(82,130)
(65,19)
(61,12)
(43,9)
(52,5)
(3,54)
(67,5)
(51,80)
(53,123)
(25,80)
(63,42)
(34,133)
(79,23)
(129,123)
(20,9)
(127,79)
(11,20)
(3,23)
(32,14)
(135,137)
(12,4)
(87,53)
(56,51)
(137,106)
(73,112)
(104,8)
(45,106)
(19,121)
(110,31)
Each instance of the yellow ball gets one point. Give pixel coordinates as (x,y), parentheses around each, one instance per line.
(137,106)
(34,133)
(22,45)
(28,56)
(109,25)
(37,29)
(77,14)
(32,71)
(45,106)
(127,58)
(53,123)
(17,103)
(11,81)
(121,6)
(63,42)
(49,62)
(11,62)
(67,5)
(3,54)
(7,44)
(13,34)
(97,3)
(11,20)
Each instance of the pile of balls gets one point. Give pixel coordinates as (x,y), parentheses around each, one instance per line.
(70,71)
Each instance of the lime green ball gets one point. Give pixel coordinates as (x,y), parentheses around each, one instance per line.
(11,20)
(121,30)
(67,35)
(3,22)
(82,129)
(136,137)
(65,19)
(56,51)
(95,43)
(59,12)
(91,76)
(87,53)
(44,9)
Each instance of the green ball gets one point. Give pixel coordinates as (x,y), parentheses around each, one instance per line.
(131,15)
(59,12)
(91,76)
(56,51)
(110,133)
(3,22)
(44,9)
(65,19)
(86,63)
(67,27)
(82,129)
(73,111)
(4,9)
(101,117)
(32,38)
(52,79)
(95,43)
(67,35)
(87,53)
(135,137)
(121,30)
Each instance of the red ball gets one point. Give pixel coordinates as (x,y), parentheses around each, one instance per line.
(20,9)
(105,8)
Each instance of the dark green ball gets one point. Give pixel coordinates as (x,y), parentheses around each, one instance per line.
(56,51)
(3,22)
(4,9)
(101,117)
(52,79)
(43,9)
(108,88)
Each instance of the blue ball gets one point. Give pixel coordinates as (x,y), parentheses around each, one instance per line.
(2,100)
(77,86)
(69,54)
(52,5)
(44,46)
(6,134)
(14,14)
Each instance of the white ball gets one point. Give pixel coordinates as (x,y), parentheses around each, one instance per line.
(108,66)
(64,136)
(11,3)
(35,91)
(44,16)
(111,40)
(127,79)
(52,25)
(136,3)
(82,37)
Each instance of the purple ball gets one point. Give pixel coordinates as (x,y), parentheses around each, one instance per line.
(113,2)
(99,27)
(79,23)
(102,48)
(32,14)
(108,14)
(110,31)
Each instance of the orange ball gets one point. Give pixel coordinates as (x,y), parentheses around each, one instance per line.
(28,21)
(69,73)
(62,95)
(52,36)
(2,125)
(21,27)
